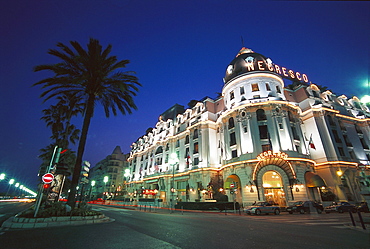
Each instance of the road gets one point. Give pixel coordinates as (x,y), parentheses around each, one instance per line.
(160,229)
(10,208)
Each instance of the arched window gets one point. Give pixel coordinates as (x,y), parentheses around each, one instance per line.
(159,150)
(261,115)
(187,139)
(231,123)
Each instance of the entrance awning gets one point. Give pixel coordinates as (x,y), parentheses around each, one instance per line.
(313,180)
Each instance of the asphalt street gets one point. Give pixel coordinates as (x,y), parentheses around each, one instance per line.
(161,229)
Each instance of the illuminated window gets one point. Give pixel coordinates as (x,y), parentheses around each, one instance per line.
(255,87)
(196,148)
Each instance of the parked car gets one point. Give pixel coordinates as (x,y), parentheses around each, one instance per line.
(263,208)
(363,207)
(341,207)
(305,207)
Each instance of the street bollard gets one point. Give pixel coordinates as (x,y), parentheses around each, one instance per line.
(361,220)
(353,221)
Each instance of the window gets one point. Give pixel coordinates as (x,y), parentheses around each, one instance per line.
(232,95)
(294,131)
(167,147)
(278,89)
(315,94)
(331,121)
(341,151)
(186,152)
(364,145)
(166,158)
(346,140)
(187,139)
(196,161)
(196,148)
(242,90)
(290,116)
(177,143)
(232,139)
(255,87)
(231,123)
(265,147)
(195,135)
(234,153)
(263,131)
(159,150)
(358,129)
(336,137)
(261,115)
(268,87)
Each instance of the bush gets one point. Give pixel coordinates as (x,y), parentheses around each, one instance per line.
(59,209)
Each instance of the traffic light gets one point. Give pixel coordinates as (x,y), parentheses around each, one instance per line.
(46,186)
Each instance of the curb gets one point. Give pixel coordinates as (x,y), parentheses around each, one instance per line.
(26,223)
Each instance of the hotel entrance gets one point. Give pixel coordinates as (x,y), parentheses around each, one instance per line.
(273,188)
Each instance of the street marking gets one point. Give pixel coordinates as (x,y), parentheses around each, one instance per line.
(322,223)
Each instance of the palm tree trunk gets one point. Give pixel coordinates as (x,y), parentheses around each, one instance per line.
(80,151)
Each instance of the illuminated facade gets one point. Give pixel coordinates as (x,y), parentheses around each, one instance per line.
(112,168)
(259,141)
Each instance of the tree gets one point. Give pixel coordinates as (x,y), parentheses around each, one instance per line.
(90,75)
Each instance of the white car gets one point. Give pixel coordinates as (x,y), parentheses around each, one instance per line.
(263,208)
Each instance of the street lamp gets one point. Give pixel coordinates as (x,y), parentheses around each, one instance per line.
(92,185)
(173,161)
(2,176)
(11,181)
(105,180)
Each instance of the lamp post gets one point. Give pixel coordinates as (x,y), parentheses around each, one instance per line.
(173,161)
(105,180)
(11,181)
(92,185)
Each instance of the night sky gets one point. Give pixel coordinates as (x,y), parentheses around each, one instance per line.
(179,50)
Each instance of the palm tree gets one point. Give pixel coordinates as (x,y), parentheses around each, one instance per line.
(58,118)
(93,77)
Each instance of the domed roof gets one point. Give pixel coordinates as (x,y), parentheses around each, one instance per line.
(248,61)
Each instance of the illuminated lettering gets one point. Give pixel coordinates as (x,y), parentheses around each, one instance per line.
(269,154)
(291,74)
(284,71)
(260,66)
(250,66)
(305,78)
(270,67)
(298,75)
(277,69)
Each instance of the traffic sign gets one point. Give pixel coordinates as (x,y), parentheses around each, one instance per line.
(48,178)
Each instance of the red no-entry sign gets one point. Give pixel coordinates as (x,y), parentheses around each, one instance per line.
(48,178)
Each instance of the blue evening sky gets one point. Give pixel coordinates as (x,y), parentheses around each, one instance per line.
(179,50)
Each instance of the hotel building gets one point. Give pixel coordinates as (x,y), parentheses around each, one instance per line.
(262,140)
